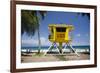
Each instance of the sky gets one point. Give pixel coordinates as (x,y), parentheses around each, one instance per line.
(81,32)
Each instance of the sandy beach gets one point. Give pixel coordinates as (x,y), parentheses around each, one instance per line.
(33,57)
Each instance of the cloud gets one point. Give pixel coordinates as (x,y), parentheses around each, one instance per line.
(29,42)
(34,42)
(78,35)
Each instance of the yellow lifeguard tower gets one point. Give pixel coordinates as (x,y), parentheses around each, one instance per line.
(60,33)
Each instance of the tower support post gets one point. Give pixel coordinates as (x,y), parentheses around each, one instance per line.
(60,48)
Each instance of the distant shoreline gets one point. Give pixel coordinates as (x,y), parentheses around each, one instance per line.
(55,50)
(32,47)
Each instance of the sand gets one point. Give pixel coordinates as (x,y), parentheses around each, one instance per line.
(33,57)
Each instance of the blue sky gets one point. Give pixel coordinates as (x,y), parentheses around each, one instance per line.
(81,33)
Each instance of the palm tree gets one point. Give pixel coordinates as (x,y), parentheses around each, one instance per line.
(30,23)
(83,14)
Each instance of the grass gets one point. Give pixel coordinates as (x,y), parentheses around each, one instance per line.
(38,54)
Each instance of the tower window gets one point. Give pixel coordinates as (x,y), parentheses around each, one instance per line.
(61,29)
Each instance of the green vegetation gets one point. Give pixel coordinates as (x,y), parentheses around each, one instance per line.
(30,21)
(38,54)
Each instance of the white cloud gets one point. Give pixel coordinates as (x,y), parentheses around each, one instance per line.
(34,42)
(78,35)
(44,41)
(29,42)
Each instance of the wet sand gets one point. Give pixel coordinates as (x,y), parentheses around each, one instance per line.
(33,57)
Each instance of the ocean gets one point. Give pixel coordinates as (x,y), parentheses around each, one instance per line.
(45,48)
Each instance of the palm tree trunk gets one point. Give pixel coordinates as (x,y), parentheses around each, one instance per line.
(39,41)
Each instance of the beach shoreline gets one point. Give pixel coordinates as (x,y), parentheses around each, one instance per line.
(56,50)
(49,57)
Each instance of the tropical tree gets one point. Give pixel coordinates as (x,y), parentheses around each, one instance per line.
(83,14)
(30,21)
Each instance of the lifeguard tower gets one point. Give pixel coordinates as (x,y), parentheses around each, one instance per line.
(60,33)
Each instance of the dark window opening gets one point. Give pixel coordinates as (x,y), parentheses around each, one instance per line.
(61,29)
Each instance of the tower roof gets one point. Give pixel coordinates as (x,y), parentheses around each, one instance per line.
(61,25)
